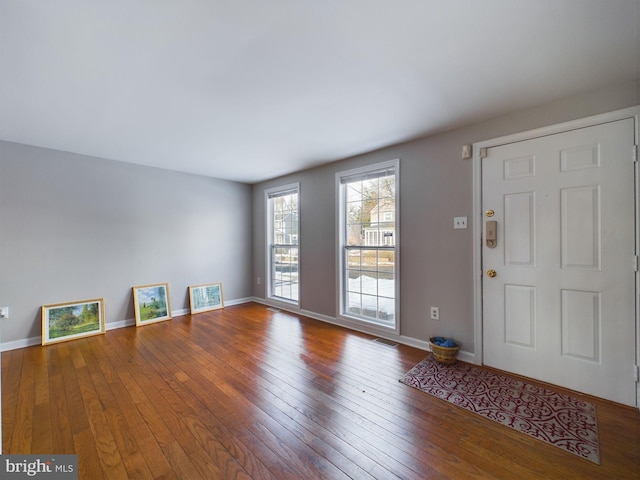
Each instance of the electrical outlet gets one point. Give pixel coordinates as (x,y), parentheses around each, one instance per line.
(258,280)
(459,222)
(435,313)
(4,312)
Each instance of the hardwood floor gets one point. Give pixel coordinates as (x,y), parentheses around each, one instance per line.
(245,392)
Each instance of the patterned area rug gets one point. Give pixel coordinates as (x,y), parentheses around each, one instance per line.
(560,420)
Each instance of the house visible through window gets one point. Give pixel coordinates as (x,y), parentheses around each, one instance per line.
(283,235)
(368,244)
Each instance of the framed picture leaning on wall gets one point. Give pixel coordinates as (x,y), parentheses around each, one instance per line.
(203,298)
(71,320)
(151,303)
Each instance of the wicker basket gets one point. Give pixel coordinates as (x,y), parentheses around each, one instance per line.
(445,355)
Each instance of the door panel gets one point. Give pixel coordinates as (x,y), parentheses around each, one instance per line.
(519,234)
(520,315)
(561,307)
(581,330)
(580,227)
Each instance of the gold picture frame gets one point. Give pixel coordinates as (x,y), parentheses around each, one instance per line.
(151,303)
(71,320)
(205,297)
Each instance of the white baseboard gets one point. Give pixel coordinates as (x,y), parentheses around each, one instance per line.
(23,343)
(238,301)
(121,324)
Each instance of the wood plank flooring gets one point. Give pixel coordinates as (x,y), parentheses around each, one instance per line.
(245,392)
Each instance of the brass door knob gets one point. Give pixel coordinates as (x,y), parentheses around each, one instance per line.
(492,273)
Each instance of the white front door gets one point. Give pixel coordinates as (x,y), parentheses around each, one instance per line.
(561,306)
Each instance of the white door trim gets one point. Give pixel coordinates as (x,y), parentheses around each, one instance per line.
(633,112)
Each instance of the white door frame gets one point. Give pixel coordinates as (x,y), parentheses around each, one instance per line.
(633,112)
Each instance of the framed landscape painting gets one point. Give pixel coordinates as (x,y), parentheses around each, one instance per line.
(68,321)
(203,298)
(151,303)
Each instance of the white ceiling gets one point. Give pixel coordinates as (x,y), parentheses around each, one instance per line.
(248,90)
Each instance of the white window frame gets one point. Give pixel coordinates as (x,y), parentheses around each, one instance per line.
(343,316)
(268,194)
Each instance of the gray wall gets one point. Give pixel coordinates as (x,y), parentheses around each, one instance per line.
(435,185)
(74,227)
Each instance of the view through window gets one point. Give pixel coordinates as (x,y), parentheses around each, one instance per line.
(368,221)
(284,248)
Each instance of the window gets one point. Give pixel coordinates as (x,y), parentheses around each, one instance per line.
(368,244)
(283,247)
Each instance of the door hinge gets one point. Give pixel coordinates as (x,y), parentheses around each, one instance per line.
(636,373)
(635,153)
(635,263)
(484,152)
